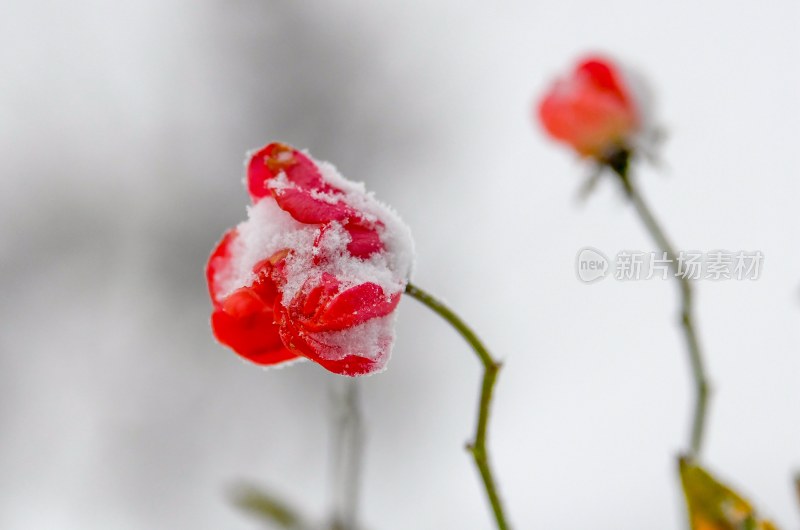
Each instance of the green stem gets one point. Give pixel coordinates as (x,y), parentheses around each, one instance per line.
(702,388)
(490,368)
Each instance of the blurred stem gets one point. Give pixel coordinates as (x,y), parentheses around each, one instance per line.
(266,507)
(490,368)
(797,487)
(347,443)
(701,384)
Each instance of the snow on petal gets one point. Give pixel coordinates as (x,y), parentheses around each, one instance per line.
(277,158)
(354,306)
(219,261)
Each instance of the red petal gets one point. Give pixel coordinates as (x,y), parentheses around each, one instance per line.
(353,307)
(219,260)
(311,303)
(247,325)
(365,242)
(319,257)
(266,272)
(352,365)
(314,350)
(602,75)
(590,110)
(304,207)
(277,158)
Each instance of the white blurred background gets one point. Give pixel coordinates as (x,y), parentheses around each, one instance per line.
(123,127)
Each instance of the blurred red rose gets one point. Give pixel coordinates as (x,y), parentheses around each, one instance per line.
(592,110)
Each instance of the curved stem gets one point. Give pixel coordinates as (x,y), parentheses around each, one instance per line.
(702,388)
(490,368)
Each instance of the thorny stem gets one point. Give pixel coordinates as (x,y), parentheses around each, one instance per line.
(347,448)
(702,388)
(490,368)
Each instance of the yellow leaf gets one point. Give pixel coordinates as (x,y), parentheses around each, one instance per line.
(713,505)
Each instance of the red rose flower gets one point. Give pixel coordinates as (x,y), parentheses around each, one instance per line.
(314,273)
(593,110)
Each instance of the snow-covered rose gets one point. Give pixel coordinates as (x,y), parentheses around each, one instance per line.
(316,271)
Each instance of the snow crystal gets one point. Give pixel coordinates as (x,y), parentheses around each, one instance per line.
(372,340)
